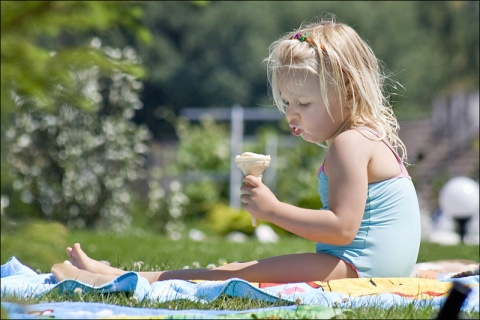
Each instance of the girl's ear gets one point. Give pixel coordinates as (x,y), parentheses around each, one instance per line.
(350,89)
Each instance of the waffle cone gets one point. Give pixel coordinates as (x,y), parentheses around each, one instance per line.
(252,164)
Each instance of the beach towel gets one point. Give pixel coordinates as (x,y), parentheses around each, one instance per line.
(328,297)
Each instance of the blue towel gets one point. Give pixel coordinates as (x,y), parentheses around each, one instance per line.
(19,280)
(94,310)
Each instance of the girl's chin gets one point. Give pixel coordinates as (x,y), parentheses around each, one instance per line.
(311,139)
(308,138)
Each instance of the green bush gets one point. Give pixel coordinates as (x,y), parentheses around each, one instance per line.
(312,202)
(76,166)
(223,219)
(202,163)
(200,167)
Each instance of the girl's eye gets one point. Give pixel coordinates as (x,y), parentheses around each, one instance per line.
(304,104)
(285,102)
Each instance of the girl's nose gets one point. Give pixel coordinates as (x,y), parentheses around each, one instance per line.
(290,113)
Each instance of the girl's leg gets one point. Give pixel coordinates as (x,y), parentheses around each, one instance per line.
(288,268)
(66,270)
(80,260)
(298,267)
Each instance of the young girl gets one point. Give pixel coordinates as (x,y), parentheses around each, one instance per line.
(328,83)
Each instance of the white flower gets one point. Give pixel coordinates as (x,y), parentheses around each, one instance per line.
(5,202)
(196,235)
(96,43)
(138,265)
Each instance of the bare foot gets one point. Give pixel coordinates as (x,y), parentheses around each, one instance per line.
(79,259)
(65,270)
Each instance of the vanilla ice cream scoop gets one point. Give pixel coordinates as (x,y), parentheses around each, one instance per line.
(252,164)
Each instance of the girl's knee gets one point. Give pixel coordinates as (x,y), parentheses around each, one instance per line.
(230,266)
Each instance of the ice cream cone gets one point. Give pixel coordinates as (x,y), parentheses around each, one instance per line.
(252,164)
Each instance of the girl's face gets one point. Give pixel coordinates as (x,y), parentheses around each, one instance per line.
(305,109)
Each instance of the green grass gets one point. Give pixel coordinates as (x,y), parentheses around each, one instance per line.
(157,252)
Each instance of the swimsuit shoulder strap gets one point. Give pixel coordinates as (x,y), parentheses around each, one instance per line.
(404,172)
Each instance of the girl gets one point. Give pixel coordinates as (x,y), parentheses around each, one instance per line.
(328,83)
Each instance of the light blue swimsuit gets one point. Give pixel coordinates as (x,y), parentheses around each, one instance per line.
(388,240)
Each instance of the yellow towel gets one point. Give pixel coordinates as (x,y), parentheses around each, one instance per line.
(415,288)
(408,287)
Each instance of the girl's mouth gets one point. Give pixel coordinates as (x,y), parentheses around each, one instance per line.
(296,130)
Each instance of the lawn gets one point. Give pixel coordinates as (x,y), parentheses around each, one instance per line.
(138,250)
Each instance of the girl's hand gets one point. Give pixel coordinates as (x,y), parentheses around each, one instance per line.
(257,198)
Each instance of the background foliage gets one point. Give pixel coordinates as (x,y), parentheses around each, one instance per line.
(40,44)
(74,166)
(211,55)
(187,54)
(66,113)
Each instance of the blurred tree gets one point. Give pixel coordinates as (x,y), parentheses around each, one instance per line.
(54,87)
(75,166)
(454,26)
(204,56)
(33,68)
(212,55)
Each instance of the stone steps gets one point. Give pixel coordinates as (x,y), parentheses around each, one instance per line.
(435,159)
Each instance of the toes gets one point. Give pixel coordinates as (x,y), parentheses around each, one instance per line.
(69,264)
(76,249)
(54,267)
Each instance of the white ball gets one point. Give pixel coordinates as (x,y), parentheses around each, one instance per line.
(459,197)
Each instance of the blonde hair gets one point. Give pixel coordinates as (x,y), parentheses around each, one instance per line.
(340,57)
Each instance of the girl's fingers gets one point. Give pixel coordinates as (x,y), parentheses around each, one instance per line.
(251,180)
(246,189)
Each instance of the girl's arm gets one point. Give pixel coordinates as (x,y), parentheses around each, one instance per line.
(346,169)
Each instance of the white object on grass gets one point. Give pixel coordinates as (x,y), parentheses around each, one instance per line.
(236,236)
(265,234)
(459,198)
(196,235)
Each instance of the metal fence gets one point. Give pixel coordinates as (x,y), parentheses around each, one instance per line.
(237,116)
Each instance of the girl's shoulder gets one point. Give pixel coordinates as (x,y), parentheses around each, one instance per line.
(364,148)
(354,136)
(348,153)
(352,143)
